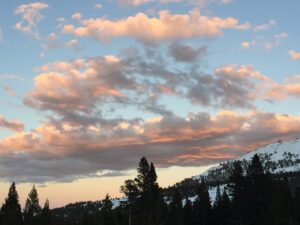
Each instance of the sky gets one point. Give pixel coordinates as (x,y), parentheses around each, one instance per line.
(89,87)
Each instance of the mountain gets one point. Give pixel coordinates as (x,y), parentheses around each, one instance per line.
(281,159)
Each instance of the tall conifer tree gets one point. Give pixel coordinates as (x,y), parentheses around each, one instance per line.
(46,215)
(11,213)
(32,210)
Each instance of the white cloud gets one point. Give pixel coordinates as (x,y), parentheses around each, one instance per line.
(265,26)
(98,6)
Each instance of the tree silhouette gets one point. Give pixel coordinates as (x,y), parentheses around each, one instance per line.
(11,213)
(32,208)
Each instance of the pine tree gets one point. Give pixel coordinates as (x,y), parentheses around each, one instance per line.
(142,177)
(257,193)
(217,207)
(46,215)
(11,213)
(145,200)
(225,209)
(176,216)
(152,179)
(237,186)
(297,205)
(107,215)
(131,191)
(204,204)
(32,208)
(188,211)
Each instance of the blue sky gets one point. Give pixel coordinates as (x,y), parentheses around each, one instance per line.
(89,87)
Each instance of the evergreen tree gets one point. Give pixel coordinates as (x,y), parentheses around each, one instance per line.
(131,191)
(225,208)
(11,213)
(188,212)
(145,200)
(217,207)
(204,204)
(142,177)
(279,210)
(237,188)
(257,192)
(46,215)
(297,205)
(176,216)
(107,215)
(32,208)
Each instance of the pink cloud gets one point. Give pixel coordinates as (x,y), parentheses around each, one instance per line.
(151,30)
(14,125)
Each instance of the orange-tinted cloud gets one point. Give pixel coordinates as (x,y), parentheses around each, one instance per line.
(148,30)
(60,151)
(31,17)
(14,125)
(294,55)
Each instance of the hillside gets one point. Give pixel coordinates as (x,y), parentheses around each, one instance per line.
(279,158)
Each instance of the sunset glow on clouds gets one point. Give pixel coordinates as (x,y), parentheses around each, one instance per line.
(87,89)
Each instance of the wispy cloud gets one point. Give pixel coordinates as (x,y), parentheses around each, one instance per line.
(265,26)
(14,125)
(31,16)
(6,76)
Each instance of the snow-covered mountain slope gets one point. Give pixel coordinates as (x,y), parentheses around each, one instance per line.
(285,154)
(277,157)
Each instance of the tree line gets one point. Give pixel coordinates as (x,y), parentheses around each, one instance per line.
(251,197)
(12,214)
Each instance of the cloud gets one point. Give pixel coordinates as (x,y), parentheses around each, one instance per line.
(265,26)
(53,42)
(152,30)
(78,139)
(294,55)
(66,88)
(246,44)
(140,79)
(265,43)
(199,3)
(230,86)
(31,17)
(11,124)
(65,153)
(6,76)
(9,90)
(186,53)
(282,91)
(141,2)
(98,6)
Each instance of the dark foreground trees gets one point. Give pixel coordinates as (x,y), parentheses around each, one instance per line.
(251,197)
(11,212)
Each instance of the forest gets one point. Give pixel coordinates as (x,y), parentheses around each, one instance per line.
(251,197)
